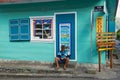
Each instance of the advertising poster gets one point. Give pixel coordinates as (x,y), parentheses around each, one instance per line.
(99,24)
(64,37)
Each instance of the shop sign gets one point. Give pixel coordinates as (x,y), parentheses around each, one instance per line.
(98,8)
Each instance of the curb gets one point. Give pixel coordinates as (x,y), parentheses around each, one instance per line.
(44,75)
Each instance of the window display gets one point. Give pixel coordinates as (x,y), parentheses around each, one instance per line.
(42,28)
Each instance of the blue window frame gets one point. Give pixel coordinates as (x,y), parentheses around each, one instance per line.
(19,29)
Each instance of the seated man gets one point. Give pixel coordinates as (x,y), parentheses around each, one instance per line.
(62,57)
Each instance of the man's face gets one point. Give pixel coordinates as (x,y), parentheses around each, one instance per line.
(62,48)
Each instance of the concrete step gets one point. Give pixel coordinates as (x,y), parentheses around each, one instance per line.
(42,70)
(38,69)
(33,67)
(33,64)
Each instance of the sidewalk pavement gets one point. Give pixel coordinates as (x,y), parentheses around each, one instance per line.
(43,69)
(38,69)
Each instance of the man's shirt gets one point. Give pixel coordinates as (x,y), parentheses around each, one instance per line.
(63,54)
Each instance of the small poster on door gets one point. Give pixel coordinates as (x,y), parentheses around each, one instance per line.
(64,37)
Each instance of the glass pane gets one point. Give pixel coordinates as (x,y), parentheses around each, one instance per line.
(40,36)
(48,21)
(38,26)
(47,34)
(37,33)
(47,26)
(38,22)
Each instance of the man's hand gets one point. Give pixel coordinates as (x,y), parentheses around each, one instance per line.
(63,58)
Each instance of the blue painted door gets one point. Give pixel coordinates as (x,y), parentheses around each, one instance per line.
(65,33)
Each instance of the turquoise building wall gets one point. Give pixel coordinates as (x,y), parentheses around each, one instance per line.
(44,51)
(111,26)
(112,10)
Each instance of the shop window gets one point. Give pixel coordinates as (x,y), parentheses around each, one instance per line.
(42,28)
(19,29)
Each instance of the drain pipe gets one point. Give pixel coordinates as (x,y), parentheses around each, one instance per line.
(91,28)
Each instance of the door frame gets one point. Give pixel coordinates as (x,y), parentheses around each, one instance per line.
(75,32)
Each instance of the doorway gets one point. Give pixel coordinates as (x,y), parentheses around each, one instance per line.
(66,33)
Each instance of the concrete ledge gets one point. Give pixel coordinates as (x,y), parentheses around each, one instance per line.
(44,69)
(47,75)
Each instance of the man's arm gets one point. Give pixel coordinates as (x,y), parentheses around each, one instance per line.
(68,54)
(59,55)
